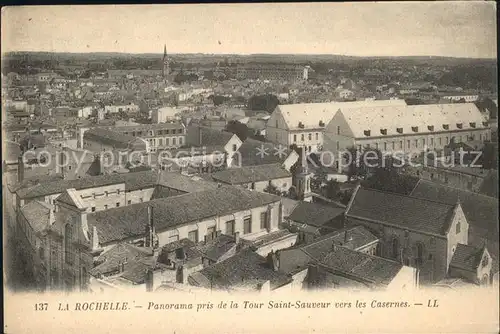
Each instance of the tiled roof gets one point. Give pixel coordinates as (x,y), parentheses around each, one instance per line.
(250,156)
(251,174)
(481,211)
(109,260)
(405,212)
(184,183)
(375,269)
(246,266)
(146,127)
(37,214)
(209,137)
(133,181)
(314,214)
(467,257)
(130,221)
(217,247)
(310,114)
(353,238)
(109,137)
(392,117)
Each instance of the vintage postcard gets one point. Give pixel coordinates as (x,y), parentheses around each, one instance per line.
(250,168)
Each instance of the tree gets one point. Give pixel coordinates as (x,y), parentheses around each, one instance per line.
(355,166)
(239,129)
(319,178)
(272,189)
(266,102)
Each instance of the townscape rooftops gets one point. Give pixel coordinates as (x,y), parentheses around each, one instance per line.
(405,212)
(310,114)
(245,266)
(130,221)
(314,214)
(251,174)
(467,257)
(392,117)
(147,127)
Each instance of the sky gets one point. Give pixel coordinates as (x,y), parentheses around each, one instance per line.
(454,29)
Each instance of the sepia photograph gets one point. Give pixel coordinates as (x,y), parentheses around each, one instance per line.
(189,163)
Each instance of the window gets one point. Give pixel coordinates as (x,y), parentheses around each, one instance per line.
(230,227)
(167,141)
(416,142)
(93,209)
(129,202)
(174,141)
(180,140)
(117,204)
(294,138)
(106,193)
(68,244)
(446,140)
(193,236)
(458,228)
(432,141)
(440,141)
(173,236)
(423,142)
(338,145)
(69,167)
(485,261)
(247,225)
(420,254)
(409,144)
(385,146)
(317,136)
(263,220)
(302,137)
(395,248)
(118,191)
(310,136)
(105,206)
(276,123)
(338,130)
(160,141)
(235,147)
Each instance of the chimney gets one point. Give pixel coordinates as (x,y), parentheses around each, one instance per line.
(20,169)
(95,239)
(237,238)
(273,261)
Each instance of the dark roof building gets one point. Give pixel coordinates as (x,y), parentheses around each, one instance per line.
(405,212)
(114,139)
(248,174)
(316,215)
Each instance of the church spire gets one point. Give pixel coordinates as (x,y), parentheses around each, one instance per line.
(164,51)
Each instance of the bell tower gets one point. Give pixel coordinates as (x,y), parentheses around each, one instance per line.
(166,65)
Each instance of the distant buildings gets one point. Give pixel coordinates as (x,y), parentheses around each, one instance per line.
(165,114)
(273,72)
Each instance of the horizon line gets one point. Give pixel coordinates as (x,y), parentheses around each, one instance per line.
(251,54)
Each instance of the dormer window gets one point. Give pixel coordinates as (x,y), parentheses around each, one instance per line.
(321,123)
(383,131)
(301,125)
(367,133)
(459,125)
(446,126)
(430,127)
(485,261)
(399,130)
(472,124)
(414,128)
(485,123)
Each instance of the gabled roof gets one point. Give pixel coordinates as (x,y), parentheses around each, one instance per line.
(251,174)
(467,257)
(480,210)
(71,198)
(404,212)
(129,221)
(314,214)
(110,137)
(310,114)
(392,117)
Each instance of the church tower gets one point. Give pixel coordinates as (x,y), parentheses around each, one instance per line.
(166,65)
(302,179)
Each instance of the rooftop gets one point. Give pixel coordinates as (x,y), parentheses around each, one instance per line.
(244,267)
(249,174)
(37,214)
(130,221)
(314,214)
(467,257)
(109,137)
(405,212)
